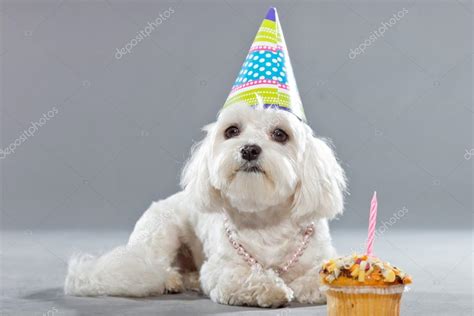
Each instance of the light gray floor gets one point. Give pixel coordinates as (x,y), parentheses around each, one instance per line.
(34,264)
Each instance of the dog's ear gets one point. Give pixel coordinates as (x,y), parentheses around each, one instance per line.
(195,178)
(320,192)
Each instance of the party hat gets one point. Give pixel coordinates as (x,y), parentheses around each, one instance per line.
(266,75)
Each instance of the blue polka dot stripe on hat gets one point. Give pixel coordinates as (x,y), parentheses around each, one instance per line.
(262,64)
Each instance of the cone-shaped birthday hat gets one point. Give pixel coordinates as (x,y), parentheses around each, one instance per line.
(266,75)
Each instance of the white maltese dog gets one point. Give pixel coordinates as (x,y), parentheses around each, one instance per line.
(250,226)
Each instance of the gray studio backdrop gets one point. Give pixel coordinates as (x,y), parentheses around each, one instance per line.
(99,109)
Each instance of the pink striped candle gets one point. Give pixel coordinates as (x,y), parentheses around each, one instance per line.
(372,224)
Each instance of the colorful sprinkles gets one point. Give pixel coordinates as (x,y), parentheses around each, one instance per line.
(361,270)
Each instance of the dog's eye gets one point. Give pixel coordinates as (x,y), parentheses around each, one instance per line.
(279,135)
(231,131)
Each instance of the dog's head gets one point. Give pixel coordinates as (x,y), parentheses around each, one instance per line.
(254,159)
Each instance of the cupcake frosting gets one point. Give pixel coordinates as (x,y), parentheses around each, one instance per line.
(359,270)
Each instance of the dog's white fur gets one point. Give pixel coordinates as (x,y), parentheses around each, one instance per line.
(302,182)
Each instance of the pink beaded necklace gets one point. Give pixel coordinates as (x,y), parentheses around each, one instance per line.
(251,261)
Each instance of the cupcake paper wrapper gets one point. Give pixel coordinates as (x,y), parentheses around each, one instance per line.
(393,289)
(341,303)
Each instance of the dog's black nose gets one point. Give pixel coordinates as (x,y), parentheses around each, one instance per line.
(250,152)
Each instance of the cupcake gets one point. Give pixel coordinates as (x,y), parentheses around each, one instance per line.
(362,285)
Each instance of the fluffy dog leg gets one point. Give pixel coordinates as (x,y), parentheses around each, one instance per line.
(124,271)
(142,268)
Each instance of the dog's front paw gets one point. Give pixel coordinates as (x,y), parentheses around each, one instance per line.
(306,290)
(259,289)
(274,297)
